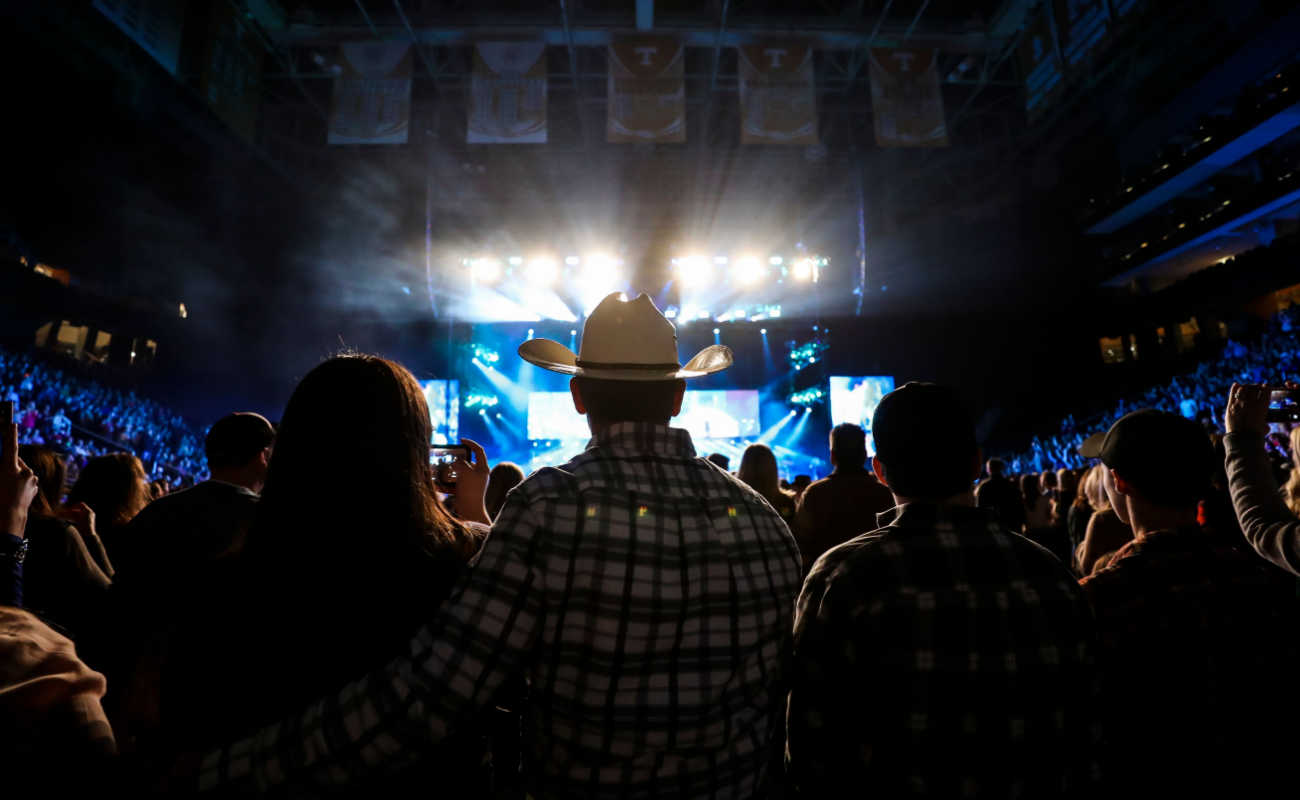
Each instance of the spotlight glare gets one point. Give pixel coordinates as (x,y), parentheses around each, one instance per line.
(515,261)
(542,271)
(719,259)
(695,271)
(485,270)
(748,271)
(571,260)
(803,269)
(573,333)
(776,261)
(717,330)
(763,331)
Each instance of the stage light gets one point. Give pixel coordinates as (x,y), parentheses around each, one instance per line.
(573,333)
(717,330)
(530,333)
(694,271)
(485,270)
(804,269)
(515,261)
(748,271)
(719,259)
(763,331)
(481,401)
(670,312)
(486,354)
(571,260)
(776,261)
(542,272)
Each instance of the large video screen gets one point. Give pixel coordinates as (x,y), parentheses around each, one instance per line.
(443,398)
(730,414)
(854,399)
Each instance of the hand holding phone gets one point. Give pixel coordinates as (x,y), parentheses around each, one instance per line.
(444,459)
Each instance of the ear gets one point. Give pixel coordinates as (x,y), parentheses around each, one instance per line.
(681,393)
(1122,486)
(577,396)
(879,468)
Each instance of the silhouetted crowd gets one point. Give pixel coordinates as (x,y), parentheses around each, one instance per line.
(333,611)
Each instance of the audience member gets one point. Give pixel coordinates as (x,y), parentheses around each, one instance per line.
(645,593)
(18,488)
(282,601)
(115,488)
(758,470)
(504,477)
(1270,525)
(799,484)
(62,582)
(1001,494)
(1067,488)
(723,462)
(845,503)
(1038,511)
(1106,532)
(1081,511)
(1194,636)
(942,655)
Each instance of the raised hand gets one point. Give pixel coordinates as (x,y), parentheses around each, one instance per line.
(17,484)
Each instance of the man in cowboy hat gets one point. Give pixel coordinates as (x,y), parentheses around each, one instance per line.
(644,593)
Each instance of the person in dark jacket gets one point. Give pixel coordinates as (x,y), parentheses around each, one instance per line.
(844,503)
(1001,494)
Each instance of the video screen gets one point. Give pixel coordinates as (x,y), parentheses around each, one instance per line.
(730,414)
(443,398)
(854,399)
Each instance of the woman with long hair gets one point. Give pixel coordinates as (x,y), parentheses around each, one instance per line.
(504,477)
(758,469)
(1106,532)
(1081,509)
(115,488)
(65,579)
(1038,512)
(349,553)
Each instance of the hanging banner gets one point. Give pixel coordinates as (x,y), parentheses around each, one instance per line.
(231,78)
(372,94)
(507,99)
(1081,24)
(1040,66)
(906,103)
(778,100)
(647,90)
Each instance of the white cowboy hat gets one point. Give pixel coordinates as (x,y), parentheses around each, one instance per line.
(625,340)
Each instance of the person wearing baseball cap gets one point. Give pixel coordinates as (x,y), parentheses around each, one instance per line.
(941,655)
(644,592)
(1195,634)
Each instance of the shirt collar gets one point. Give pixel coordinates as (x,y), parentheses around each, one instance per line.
(921,515)
(237,487)
(644,437)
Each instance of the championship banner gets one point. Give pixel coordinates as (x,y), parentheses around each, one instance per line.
(906,103)
(1040,66)
(647,90)
(778,99)
(1081,25)
(507,100)
(372,94)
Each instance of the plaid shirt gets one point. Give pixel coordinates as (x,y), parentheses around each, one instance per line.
(1198,659)
(644,593)
(942,656)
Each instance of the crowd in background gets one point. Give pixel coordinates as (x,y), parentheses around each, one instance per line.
(82,417)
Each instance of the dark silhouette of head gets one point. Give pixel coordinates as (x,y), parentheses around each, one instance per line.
(848,446)
(997,467)
(504,477)
(758,469)
(238,448)
(925,442)
(721,461)
(114,486)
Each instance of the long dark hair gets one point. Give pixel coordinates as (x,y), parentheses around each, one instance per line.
(350,549)
(51,474)
(114,486)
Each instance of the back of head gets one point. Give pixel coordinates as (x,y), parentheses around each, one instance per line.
(1167,458)
(997,467)
(720,460)
(1029,486)
(1065,482)
(758,469)
(1047,481)
(114,486)
(610,401)
(925,441)
(236,439)
(504,477)
(51,474)
(352,455)
(849,446)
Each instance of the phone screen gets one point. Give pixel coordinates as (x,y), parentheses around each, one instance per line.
(1284,406)
(442,458)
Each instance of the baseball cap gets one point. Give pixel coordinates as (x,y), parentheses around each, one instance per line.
(1166,457)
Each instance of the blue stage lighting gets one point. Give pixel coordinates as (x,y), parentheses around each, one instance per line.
(485,355)
(717,330)
(481,401)
(573,332)
(530,333)
(763,331)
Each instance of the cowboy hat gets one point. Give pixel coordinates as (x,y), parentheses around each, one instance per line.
(625,340)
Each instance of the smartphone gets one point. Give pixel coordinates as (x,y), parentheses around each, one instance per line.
(6,412)
(1284,406)
(442,457)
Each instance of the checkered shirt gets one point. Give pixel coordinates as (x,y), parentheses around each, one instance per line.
(644,593)
(942,656)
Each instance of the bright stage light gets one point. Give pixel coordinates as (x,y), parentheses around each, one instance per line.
(694,271)
(530,333)
(776,261)
(719,259)
(542,272)
(748,271)
(485,270)
(763,331)
(804,269)
(717,330)
(571,260)
(573,332)
(515,261)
